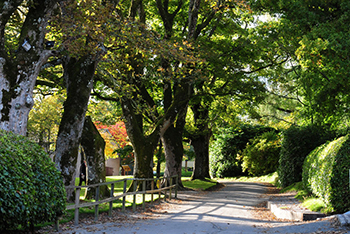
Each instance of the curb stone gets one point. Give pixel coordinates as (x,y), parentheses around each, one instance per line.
(285,211)
(344,219)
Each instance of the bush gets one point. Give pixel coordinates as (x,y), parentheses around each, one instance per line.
(228,145)
(223,163)
(261,156)
(326,173)
(31,188)
(297,143)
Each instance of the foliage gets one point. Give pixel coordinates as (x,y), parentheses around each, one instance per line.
(126,154)
(297,143)
(326,173)
(44,120)
(315,34)
(31,188)
(189,153)
(101,111)
(261,156)
(115,137)
(228,145)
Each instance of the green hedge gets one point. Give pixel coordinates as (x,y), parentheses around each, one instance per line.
(31,188)
(297,143)
(326,173)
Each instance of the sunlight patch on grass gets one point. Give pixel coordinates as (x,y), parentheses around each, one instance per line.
(199,184)
(314,204)
(269,178)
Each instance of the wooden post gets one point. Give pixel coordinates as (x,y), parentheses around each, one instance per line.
(159,194)
(152,188)
(171,184)
(76,211)
(166,185)
(97,195)
(176,186)
(124,198)
(134,198)
(144,194)
(111,202)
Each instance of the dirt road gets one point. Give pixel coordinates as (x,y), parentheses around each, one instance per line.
(228,210)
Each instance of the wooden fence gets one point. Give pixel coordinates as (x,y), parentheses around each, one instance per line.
(122,196)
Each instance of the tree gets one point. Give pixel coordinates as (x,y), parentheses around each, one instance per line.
(44,119)
(115,136)
(78,26)
(315,34)
(236,55)
(93,146)
(140,81)
(21,58)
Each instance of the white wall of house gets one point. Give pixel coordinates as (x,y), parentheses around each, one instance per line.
(115,164)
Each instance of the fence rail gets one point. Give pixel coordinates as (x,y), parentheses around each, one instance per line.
(122,196)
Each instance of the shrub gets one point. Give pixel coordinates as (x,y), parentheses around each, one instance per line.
(223,163)
(31,188)
(326,173)
(261,156)
(228,145)
(297,143)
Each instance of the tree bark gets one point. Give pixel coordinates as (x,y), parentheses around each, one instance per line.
(94,149)
(173,148)
(200,141)
(200,144)
(19,70)
(172,129)
(144,145)
(78,74)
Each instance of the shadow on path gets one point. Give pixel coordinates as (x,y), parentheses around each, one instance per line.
(228,210)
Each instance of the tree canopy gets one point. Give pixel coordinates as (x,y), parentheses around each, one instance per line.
(172,70)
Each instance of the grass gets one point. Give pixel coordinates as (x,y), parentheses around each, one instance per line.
(308,200)
(269,178)
(198,184)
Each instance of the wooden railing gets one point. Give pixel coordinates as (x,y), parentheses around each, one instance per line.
(122,196)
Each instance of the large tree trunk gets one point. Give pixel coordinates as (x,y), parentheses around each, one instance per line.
(79,76)
(173,148)
(200,144)
(94,149)
(171,133)
(144,145)
(200,141)
(19,70)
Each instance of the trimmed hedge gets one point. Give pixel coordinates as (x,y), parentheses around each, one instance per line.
(31,188)
(297,143)
(326,173)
